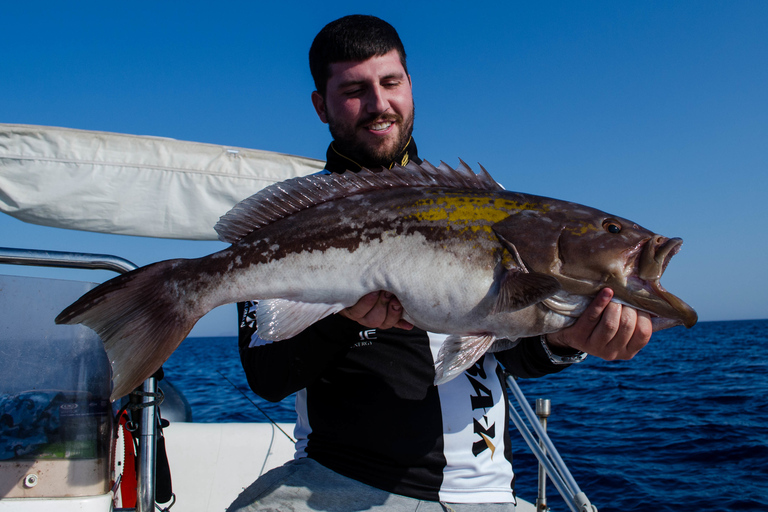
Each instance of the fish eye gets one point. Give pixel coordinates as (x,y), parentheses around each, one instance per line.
(612,226)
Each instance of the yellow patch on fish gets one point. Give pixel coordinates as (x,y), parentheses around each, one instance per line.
(581,230)
(468,212)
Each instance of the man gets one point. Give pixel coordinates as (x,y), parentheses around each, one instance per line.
(373,432)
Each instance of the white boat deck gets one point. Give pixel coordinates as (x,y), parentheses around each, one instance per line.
(211,463)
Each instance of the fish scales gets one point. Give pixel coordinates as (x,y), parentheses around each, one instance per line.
(464,257)
(392,238)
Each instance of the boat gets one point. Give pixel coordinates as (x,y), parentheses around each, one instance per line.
(63,445)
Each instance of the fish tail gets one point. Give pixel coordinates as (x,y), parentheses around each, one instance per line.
(138,317)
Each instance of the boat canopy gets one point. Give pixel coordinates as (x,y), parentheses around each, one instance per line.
(128,184)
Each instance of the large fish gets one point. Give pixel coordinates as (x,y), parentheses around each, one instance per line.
(463,256)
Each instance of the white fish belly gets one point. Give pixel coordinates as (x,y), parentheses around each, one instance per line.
(440,288)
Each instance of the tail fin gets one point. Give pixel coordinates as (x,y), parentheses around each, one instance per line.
(139,317)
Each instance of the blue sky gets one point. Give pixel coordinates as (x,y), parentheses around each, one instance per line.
(655,111)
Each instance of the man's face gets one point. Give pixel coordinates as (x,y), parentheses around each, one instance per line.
(368,107)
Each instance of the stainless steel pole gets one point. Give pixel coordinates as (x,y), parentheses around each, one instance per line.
(543,410)
(145,493)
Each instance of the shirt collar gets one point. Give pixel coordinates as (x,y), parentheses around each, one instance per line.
(339,162)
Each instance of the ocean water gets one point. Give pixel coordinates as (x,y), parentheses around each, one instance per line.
(681,427)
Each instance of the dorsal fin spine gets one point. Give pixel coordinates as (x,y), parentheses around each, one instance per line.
(288,197)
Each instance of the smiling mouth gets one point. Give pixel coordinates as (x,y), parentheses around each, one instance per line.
(381,122)
(380,126)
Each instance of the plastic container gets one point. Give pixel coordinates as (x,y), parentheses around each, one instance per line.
(55,413)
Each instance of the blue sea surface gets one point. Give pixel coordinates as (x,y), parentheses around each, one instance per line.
(682,426)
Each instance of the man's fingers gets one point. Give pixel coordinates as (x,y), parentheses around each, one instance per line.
(393,312)
(395,316)
(610,337)
(380,310)
(377,315)
(607,330)
(592,315)
(363,306)
(641,335)
(579,335)
(404,324)
(613,320)
(627,338)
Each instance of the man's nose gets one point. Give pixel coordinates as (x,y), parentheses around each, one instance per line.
(377,100)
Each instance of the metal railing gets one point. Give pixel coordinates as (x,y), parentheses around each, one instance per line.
(548,456)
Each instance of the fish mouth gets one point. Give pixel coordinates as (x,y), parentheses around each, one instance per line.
(656,255)
(647,293)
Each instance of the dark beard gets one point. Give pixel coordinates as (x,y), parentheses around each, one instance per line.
(365,154)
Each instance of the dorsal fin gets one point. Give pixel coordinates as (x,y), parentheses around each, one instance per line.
(288,197)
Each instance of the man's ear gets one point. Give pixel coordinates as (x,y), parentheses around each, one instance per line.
(319,103)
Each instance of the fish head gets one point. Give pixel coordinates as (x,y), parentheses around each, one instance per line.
(587,250)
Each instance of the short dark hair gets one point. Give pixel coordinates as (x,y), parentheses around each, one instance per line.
(352,38)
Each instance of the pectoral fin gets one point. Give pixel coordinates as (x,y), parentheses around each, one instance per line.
(518,290)
(278,319)
(459,353)
(503,344)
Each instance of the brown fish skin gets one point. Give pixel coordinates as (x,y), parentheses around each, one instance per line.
(464,258)
(587,250)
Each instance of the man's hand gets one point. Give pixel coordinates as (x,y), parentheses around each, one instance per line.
(379,310)
(607,330)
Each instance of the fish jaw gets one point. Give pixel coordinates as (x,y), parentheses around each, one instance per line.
(641,287)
